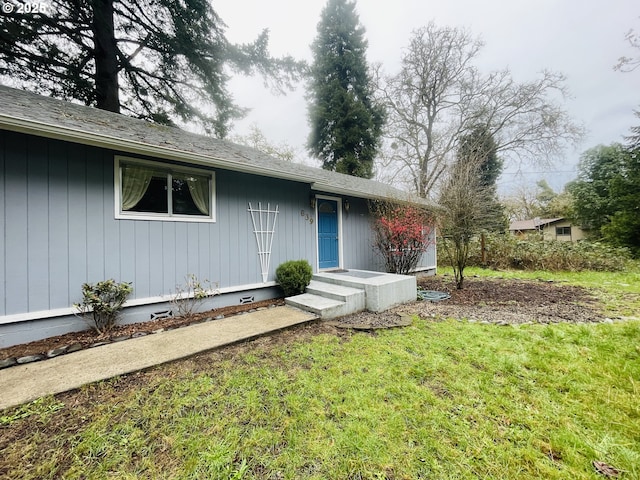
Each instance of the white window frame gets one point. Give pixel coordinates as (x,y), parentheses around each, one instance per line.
(166,217)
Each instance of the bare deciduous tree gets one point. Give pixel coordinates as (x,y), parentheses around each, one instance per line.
(427,103)
(467,209)
(439,94)
(255,138)
(521,203)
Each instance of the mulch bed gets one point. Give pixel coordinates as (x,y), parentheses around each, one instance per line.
(88,338)
(508,301)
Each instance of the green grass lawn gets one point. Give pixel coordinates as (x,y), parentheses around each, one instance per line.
(436,400)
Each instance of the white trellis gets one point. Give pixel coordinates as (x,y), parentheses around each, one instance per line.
(264,224)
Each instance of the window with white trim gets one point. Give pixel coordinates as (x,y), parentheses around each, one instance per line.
(159,191)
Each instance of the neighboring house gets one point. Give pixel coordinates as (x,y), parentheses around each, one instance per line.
(550,228)
(87,195)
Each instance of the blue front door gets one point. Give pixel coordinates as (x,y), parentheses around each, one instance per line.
(328,256)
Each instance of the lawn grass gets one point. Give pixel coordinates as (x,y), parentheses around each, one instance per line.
(437,400)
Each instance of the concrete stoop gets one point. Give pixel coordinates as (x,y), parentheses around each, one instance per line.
(343,292)
(328,300)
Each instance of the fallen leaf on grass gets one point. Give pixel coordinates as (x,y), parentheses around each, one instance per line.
(606,470)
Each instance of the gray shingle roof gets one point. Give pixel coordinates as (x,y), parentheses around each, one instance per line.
(48,117)
(533,224)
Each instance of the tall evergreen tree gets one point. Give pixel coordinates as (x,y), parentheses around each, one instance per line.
(346,123)
(479,147)
(160,60)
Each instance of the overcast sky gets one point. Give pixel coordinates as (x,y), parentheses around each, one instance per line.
(582,39)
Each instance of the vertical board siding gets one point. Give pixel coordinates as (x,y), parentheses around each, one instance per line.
(77,214)
(193,250)
(59,229)
(95,221)
(3,225)
(112,229)
(156,264)
(167,258)
(429,259)
(141,254)
(38,225)
(59,295)
(358,243)
(16,272)
(126,254)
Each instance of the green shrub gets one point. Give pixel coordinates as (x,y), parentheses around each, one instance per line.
(102,302)
(294,276)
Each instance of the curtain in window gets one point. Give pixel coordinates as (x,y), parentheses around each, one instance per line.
(135,181)
(199,189)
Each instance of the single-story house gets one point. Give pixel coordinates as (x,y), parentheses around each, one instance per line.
(88,195)
(558,228)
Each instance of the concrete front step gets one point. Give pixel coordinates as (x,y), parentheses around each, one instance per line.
(354,297)
(325,308)
(382,290)
(334,294)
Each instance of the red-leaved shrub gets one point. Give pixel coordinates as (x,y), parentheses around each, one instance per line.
(402,234)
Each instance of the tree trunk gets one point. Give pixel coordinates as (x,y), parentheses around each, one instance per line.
(106,75)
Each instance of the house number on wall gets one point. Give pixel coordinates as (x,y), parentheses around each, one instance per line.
(307,216)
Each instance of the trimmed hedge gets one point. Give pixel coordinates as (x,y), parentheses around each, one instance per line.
(294,276)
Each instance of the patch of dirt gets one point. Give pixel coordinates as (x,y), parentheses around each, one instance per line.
(372,321)
(498,301)
(507,301)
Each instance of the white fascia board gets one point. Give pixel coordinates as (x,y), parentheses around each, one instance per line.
(327,188)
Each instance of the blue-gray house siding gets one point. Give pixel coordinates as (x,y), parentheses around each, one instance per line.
(60,228)
(57,205)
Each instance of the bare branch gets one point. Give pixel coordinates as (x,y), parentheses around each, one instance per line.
(438,95)
(467,210)
(629,64)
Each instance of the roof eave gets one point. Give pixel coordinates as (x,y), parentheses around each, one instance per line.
(42,129)
(47,130)
(327,188)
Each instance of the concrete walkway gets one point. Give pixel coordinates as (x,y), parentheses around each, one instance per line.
(24,383)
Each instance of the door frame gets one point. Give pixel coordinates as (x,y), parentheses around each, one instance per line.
(340,249)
